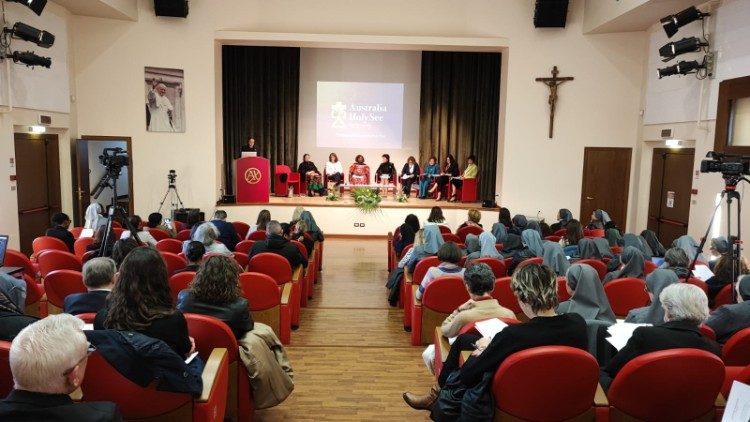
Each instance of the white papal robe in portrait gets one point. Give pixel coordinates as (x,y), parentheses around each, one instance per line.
(159,106)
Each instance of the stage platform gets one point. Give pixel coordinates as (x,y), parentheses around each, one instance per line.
(343,218)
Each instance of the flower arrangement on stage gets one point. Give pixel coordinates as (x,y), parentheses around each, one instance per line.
(333,196)
(367,200)
(402,198)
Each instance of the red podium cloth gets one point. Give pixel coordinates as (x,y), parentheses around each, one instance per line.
(253,180)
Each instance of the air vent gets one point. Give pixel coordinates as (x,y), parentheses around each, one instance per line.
(45,120)
(550,13)
(666,133)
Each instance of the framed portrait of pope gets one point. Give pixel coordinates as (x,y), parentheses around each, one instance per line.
(165,99)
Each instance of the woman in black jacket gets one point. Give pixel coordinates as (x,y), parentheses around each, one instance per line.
(309,172)
(387,169)
(215,292)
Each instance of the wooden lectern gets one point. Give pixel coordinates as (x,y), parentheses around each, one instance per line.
(253,178)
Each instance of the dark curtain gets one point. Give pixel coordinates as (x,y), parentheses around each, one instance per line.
(459,111)
(260,87)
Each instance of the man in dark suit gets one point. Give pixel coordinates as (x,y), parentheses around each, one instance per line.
(99,278)
(276,243)
(685,307)
(227,233)
(59,229)
(44,379)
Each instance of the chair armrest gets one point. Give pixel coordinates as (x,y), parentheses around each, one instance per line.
(212,372)
(76,395)
(407,275)
(600,397)
(415,302)
(720,401)
(297,274)
(442,343)
(286,292)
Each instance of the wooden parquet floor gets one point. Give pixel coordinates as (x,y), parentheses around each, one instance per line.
(352,358)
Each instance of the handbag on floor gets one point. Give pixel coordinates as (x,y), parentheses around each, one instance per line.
(456,402)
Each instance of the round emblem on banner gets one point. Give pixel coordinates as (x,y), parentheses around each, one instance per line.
(252,175)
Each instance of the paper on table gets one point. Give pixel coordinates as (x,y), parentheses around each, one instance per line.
(489,327)
(621,332)
(738,405)
(88,327)
(702,272)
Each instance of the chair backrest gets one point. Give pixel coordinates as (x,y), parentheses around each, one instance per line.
(257,235)
(159,234)
(183,235)
(648,267)
(244,246)
(179,282)
(496,265)
(676,384)
(173,261)
(561,232)
(593,232)
(302,249)
(169,245)
(43,243)
(211,333)
(562,289)
(34,290)
(450,237)
(87,317)
(406,249)
(445,294)
(423,265)
(707,332)
(724,297)
(15,258)
(466,230)
(625,294)
(76,232)
(282,168)
(697,282)
(537,260)
(260,290)
(616,249)
(52,259)
(552,238)
(6,377)
(241,228)
(79,247)
(60,284)
(271,264)
(241,258)
(471,327)
(444,230)
(505,296)
(736,351)
(564,379)
(117,230)
(599,266)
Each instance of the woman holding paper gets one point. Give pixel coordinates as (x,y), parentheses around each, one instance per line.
(409,174)
(431,170)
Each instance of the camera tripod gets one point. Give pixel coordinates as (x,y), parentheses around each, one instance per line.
(110,181)
(172,193)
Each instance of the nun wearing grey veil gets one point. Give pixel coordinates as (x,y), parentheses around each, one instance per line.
(554,257)
(588,299)
(633,263)
(432,242)
(587,249)
(630,239)
(657,281)
(690,246)
(472,247)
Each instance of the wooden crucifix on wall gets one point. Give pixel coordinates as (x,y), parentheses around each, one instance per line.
(553,83)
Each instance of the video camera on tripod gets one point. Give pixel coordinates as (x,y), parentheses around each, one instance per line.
(113,159)
(731,167)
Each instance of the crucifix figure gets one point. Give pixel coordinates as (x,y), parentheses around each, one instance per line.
(553,83)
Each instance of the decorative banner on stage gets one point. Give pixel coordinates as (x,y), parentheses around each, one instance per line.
(165,99)
(360,115)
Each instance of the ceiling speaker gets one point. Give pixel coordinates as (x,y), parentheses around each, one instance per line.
(173,8)
(550,13)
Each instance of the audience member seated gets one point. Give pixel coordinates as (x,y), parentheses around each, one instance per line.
(141,301)
(59,229)
(472,247)
(334,170)
(599,219)
(503,216)
(121,249)
(676,260)
(534,225)
(684,308)
(723,274)
(632,265)
(215,291)
(264,216)
(156,221)
(449,255)
(656,282)
(573,235)
(99,278)
(276,243)
(396,276)
(193,221)
(480,282)
(99,238)
(406,233)
(194,255)
(486,248)
(546,230)
(518,224)
(535,287)
(690,246)
(409,175)
(310,174)
(630,239)
(652,241)
(587,249)
(208,234)
(359,172)
(143,235)
(563,217)
(12,318)
(533,247)
(227,233)
(48,362)
(554,257)
(93,217)
(587,297)
(474,217)
(433,239)
(312,227)
(297,232)
(728,319)
(436,217)
(718,246)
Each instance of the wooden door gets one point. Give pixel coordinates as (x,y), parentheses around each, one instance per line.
(82,186)
(38,191)
(606,183)
(671,185)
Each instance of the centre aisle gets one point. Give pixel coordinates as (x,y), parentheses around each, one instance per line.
(352,358)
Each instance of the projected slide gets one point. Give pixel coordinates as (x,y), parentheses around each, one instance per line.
(360,115)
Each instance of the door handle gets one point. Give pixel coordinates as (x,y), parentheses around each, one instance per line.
(589,198)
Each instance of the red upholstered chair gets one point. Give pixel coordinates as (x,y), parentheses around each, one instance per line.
(53,259)
(58,285)
(599,266)
(463,231)
(561,232)
(445,230)
(79,247)
(499,247)
(505,297)
(441,297)
(309,272)
(118,231)
(538,260)
(173,261)
(707,332)
(469,191)
(616,249)
(76,232)
(731,374)
(241,258)
(508,261)
(724,297)
(183,235)
(179,226)
(269,302)
(736,351)
(648,267)
(625,294)
(6,377)
(169,245)
(593,232)
(116,224)
(669,385)
(552,238)
(562,289)
(209,334)
(14,258)
(284,177)
(179,282)
(241,228)
(87,317)
(257,235)
(158,234)
(697,282)
(563,387)
(103,383)
(36,298)
(409,280)
(278,268)
(43,243)
(244,246)
(496,265)
(450,237)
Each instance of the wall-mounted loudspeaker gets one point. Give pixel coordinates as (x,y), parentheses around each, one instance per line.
(550,13)
(173,8)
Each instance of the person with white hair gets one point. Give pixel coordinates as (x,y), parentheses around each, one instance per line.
(685,308)
(48,361)
(208,234)
(160,108)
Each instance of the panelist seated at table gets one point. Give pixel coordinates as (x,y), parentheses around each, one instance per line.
(409,175)
(386,172)
(431,171)
(359,172)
